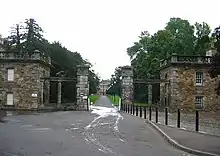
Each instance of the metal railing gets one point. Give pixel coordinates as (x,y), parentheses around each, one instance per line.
(178,118)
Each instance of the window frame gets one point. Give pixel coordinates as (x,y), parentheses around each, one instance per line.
(9,93)
(12,79)
(199,77)
(199,100)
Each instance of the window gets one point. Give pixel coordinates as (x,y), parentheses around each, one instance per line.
(199,100)
(199,78)
(10,74)
(10,99)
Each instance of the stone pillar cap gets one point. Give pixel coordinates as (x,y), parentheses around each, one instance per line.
(36,51)
(83,66)
(174,54)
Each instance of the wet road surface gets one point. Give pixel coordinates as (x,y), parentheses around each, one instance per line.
(101,132)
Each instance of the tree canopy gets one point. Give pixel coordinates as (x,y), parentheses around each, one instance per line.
(179,36)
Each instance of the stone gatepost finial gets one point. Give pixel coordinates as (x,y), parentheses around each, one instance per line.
(127,84)
(82,86)
(36,54)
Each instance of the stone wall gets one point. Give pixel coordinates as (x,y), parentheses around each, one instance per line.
(183,89)
(26,83)
(165,88)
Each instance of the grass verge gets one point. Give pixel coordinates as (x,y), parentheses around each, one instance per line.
(93,98)
(114,99)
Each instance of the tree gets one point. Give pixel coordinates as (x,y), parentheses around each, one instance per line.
(115,82)
(203,39)
(14,41)
(215,68)
(33,37)
(183,36)
(93,82)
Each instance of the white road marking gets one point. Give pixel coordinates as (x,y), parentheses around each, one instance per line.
(39,129)
(26,126)
(102,112)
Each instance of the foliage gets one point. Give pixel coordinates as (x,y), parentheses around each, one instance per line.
(178,36)
(115,82)
(93,82)
(215,68)
(15,39)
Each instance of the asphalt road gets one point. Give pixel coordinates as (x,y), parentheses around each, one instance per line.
(101,132)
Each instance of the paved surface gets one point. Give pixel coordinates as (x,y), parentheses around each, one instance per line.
(194,140)
(103,132)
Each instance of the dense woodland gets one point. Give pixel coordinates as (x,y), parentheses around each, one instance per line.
(28,36)
(180,37)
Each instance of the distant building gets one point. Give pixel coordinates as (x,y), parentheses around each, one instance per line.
(190,85)
(20,80)
(103,87)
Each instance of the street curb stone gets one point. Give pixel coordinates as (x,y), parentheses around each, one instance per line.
(177,145)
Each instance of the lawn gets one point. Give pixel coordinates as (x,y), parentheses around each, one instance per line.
(114,99)
(93,98)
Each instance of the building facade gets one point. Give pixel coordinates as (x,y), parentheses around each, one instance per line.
(20,80)
(190,86)
(103,87)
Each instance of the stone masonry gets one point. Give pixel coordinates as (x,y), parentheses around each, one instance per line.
(27,86)
(127,85)
(182,90)
(82,87)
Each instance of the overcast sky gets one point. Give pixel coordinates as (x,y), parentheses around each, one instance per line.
(101,30)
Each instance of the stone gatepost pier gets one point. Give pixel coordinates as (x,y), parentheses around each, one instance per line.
(82,87)
(59,94)
(127,85)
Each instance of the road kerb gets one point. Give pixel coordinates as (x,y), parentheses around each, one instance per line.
(177,145)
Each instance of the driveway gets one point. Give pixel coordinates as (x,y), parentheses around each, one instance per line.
(101,132)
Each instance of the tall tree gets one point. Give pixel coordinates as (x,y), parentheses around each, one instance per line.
(203,39)
(183,36)
(215,68)
(33,37)
(115,82)
(16,38)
